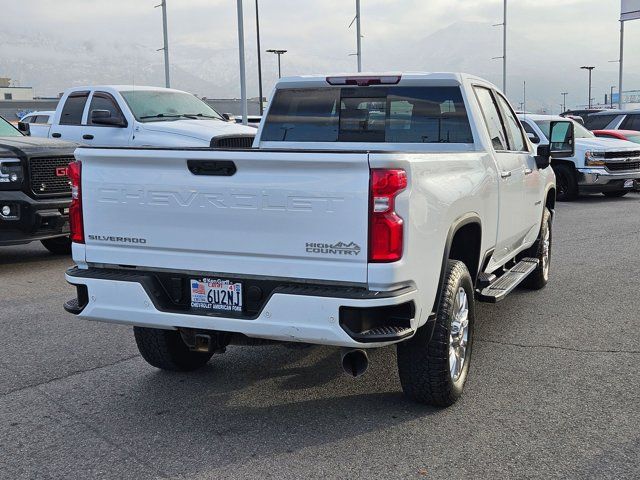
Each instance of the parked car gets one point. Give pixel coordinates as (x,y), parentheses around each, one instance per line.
(35,193)
(39,122)
(119,116)
(614,120)
(581,113)
(374,211)
(629,135)
(598,165)
(252,120)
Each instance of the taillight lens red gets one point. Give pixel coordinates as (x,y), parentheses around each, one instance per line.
(385,225)
(75,209)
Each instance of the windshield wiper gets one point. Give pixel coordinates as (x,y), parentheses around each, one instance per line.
(160,115)
(200,115)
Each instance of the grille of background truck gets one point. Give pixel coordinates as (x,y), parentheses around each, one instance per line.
(623,165)
(635,153)
(232,141)
(45,178)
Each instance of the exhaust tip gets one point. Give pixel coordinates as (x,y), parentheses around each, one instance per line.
(355,362)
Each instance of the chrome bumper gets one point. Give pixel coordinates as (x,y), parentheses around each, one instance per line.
(594,177)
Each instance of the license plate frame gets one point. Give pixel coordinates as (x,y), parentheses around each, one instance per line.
(218,295)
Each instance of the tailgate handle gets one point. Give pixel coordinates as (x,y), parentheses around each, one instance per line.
(216,168)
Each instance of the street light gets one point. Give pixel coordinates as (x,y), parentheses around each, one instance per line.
(165,35)
(259,58)
(590,69)
(278,53)
(611,95)
(564,100)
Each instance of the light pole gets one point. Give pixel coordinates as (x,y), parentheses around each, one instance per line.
(564,101)
(359,36)
(589,69)
(278,53)
(504,47)
(165,35)
(611,95)
(259,59)
(243,78)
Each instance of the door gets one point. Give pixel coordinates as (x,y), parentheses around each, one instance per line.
(101,135)
(532,180)
(69,125)
(511,172)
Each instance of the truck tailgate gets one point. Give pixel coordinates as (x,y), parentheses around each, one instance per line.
(291,214)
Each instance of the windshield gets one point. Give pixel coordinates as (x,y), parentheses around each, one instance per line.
(579,130)
(8,130)
(159,105)
(368,114)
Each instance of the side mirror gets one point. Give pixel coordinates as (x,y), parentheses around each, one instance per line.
(103,117)
(561,139)
(533,137)
(230,117)
(543,157)
(25,128)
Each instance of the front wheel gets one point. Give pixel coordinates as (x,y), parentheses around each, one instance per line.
(165,349)
(433,368)
(58,245)
(542,251)
(566,182)
(615,193)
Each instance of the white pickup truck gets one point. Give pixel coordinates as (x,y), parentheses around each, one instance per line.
(598,165)
(373,210)
(137,116)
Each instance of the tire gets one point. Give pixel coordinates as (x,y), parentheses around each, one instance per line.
(164,349)
(566,182)
(616,193)
(58,245)
(542,251)
(424,361)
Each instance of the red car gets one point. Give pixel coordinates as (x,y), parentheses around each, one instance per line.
(630,135)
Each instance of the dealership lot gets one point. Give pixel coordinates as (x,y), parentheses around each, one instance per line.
(552,392)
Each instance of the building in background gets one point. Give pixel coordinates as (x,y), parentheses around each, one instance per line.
(8,92)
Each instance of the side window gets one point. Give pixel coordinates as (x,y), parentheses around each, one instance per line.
(73,108)
(29,119)
(492,118)
(40,119)
(104,101)
(632,122)
(516,140)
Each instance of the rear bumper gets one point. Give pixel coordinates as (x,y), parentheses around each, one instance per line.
(32,219)
(304,313)
(596,179)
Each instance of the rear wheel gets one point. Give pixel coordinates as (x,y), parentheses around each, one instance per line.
(615,193)
(165,349)
(566,182)
(58,246)
(433,368)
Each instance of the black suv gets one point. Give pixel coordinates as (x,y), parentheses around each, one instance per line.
(614,120)
(34,190)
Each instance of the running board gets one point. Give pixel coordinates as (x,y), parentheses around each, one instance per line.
(508,281)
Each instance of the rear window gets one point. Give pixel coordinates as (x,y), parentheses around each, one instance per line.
(368,114)
(598,122)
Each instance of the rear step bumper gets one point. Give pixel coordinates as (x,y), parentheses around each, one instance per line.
(327,315)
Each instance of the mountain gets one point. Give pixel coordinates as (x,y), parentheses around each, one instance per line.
(50,65)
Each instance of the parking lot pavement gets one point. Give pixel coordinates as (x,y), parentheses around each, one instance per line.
(552,393)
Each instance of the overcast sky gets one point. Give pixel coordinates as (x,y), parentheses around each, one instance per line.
(569,32)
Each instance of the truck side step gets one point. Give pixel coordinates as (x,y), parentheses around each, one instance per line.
(508,281)
(387,333)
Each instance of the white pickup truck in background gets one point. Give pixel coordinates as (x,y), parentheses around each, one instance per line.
(598,165)
(373,210)
(137,116)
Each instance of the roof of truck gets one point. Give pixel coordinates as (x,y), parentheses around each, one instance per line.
(406,77)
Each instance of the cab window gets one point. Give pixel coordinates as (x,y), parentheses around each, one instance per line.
(492,118)
(73,108)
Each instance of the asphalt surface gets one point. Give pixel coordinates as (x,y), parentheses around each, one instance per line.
(553,388)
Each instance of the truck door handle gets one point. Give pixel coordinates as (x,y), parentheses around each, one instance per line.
(56,135)
(505,174)
(216,168)
(527,171)
(87,136)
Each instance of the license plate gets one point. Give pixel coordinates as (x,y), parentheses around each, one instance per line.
(215,294)
(628,183)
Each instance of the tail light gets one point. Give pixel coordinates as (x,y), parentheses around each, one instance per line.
(75,209)
(385,225)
